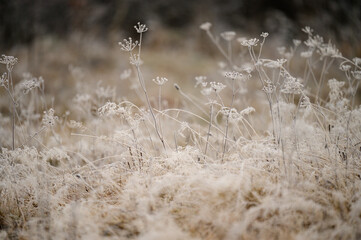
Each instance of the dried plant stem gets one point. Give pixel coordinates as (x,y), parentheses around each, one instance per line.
(227,121)
(141,80)
(209,128)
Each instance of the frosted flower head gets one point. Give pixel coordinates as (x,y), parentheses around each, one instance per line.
(292,85)
(269,88)
(250,43)
(296,42)
(357,61)
(264,34)
(329,50)
(125,74)
(128,45)
(112,109)
(217,86)
(206,26)
(356,74)
(4,80)
(345,67)
(206,91)
(307,30)
(28,84)
(314,41)
(9,61)
(49,119)
(141,28)
(200,80)
(233,75)
(228,36)
(134,59)
(275,64)
(160,80)
(307,54)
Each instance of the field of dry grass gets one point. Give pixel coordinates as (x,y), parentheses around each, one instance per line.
(251,142)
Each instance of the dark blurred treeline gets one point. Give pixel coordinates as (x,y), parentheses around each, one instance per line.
(21,21)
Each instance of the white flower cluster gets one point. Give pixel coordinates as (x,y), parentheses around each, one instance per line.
(49,119)
(160,80)
(135,59)
(128,45)
(217,86)
(205,26)
(335,89)
(228,36)
(125,74)
(4,82)
(356,74)
(9,61)
(141,28)
(112,109)
(233,75)
(275,64)
(292,85)
(105,92)
(200,80)
(30,83)
(250,43)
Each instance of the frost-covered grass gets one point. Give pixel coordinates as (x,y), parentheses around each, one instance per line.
(230,162)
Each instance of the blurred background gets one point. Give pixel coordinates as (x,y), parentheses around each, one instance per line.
(49,37)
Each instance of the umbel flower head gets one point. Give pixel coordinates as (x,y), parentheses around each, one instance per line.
(206,26)
(228,36)
(128,45)
(141,28)
(160,80)
(9,61)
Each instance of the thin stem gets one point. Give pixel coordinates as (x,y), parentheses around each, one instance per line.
(209,128)
(227,121)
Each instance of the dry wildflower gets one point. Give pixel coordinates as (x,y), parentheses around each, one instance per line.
(125,74)
(135,59)
(307,30)
(306,54)
(292,85)
(160,80)
(356,74)
(128,45)
(206,91)
(9,61)
(275,64)
(250,43)
(206,26)
(49,119)
(4,80)
(217,86)
(335,89)
(141,28)
(357,61)
(30,83)
(329,50)
(269,88)
(76,125)
(233,75)
(112,109)
(264,34)
(345,67)
(200,80)
(228,36)
(296,42)
(314,41)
